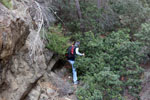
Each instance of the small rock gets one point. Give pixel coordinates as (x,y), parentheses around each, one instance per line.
(50,91)
(69,77)
(44,97)
(67,98)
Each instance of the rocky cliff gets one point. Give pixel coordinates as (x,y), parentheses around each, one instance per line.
(21,77)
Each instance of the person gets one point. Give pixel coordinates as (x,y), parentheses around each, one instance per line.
(71,60)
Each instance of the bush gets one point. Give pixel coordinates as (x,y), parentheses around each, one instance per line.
(115,14)
(131,13)
(7,3)
(94,19)
(56,40)
(143,36)
(110,66)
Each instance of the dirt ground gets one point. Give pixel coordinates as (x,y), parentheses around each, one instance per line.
(145,93)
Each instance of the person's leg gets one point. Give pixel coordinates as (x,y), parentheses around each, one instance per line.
(74,72)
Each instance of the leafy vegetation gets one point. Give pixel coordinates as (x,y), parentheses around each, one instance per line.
(113,36)
(56,40)
(110,66)
(144,34)
(7,3)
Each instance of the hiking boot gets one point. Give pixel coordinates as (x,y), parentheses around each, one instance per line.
(76,83)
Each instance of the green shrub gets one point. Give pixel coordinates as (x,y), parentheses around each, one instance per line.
(143,36)
(111,65)
(130,12)
(93,19)
(7,3)
(113,15)
(57,42)
(107,60)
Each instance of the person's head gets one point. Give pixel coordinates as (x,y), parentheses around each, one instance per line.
(73,43)
(77,43)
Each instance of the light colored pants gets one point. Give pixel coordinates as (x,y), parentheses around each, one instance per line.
(74,72)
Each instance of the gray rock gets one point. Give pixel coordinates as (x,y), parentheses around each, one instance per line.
(13,32)
(145,93)
(64,87)
(44,97)
(50,91)
(48,55)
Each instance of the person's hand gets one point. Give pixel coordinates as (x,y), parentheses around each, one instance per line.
(83,54)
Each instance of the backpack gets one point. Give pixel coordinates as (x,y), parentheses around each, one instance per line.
(70,52)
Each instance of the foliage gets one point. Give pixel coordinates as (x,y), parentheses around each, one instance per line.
(94,19)
(131,13)
(144,34)
(146,2)
(67,12)
(108,60)
(115,14)
(91,20)
(7,3)
(97,19)
(111,65)
(56,40)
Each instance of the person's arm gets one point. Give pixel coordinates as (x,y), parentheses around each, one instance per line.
(78,53)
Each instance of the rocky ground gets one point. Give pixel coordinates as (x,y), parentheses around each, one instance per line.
(145,93)
(57,86)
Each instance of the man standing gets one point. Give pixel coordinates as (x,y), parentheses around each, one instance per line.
(72,52)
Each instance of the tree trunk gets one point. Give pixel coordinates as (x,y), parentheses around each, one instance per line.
(98,4)
(102,3)
(78,9)
(79,15)
(105,3)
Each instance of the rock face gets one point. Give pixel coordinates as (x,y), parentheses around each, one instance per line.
(13,32)
(22,78)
